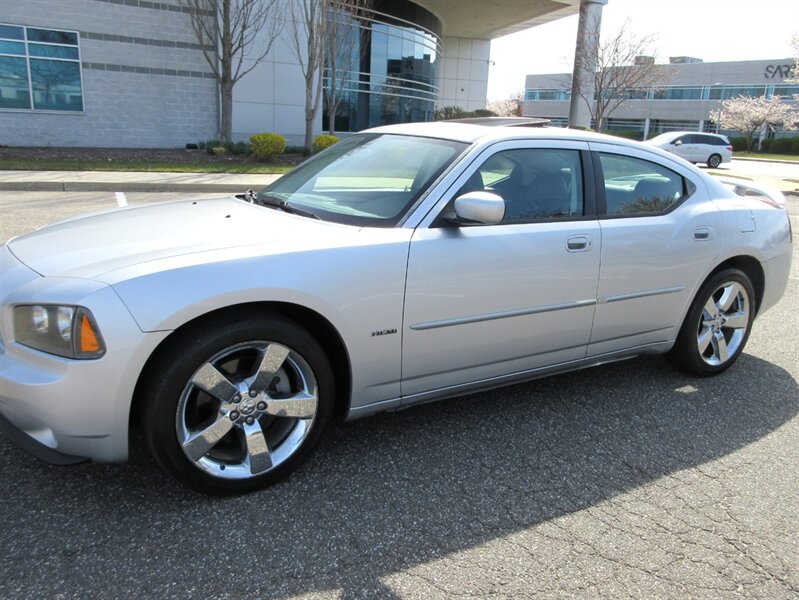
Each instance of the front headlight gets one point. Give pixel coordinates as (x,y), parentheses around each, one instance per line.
(68,331)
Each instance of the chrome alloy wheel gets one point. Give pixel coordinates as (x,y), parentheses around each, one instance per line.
(723,324)
(247,409)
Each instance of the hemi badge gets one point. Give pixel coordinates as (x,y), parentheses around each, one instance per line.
(383,332)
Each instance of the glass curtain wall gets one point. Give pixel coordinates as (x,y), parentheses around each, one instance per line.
(385,69)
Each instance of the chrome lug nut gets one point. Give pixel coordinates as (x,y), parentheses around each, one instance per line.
(262,406)
(233,415)
(253,393)
(250,420)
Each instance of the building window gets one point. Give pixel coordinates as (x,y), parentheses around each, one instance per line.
(685,92)
(391,73)
(547,94)
(663,125)
(786,90)
(39,69)
(723,92)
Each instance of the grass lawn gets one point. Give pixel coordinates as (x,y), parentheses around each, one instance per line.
(766,156)
(29,164)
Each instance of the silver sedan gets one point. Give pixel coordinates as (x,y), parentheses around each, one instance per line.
(403,264)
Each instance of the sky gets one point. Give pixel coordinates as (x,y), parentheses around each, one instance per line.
(713,30)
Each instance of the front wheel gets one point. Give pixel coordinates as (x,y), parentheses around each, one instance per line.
(238,405)
(717,325)
(714,161)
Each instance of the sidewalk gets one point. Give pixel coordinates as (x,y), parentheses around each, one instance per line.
(130,181)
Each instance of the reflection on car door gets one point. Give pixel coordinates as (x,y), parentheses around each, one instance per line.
(486,301)
(659,237)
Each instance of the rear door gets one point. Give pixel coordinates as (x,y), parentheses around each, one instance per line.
(660,234)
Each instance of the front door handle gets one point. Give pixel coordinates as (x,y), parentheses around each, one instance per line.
(578,243)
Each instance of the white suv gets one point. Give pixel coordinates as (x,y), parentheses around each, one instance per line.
(696,147)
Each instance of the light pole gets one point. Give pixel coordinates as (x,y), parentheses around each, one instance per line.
(585,51)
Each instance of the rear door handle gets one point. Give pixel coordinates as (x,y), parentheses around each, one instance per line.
(578,243)
(703,234)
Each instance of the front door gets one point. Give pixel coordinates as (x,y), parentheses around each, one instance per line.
(486,301)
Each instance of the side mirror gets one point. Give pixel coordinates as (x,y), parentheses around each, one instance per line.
(479,207)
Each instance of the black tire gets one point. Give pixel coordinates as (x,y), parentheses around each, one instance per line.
(714,161)
(178,404)
(724,334)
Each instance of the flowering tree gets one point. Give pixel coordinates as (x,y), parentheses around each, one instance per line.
(751,115)
(509,107)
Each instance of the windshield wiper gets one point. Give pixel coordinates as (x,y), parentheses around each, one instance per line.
(280,204)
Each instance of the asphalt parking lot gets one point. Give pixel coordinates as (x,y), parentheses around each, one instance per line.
(629,480)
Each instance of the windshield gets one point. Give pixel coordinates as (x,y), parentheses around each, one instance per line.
(368,179)
(663,138)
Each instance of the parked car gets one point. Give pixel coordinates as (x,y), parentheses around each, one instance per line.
(709,148)
(403,264)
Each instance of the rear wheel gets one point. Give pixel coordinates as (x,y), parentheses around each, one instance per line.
(717,325)
(714,161)
(237,406)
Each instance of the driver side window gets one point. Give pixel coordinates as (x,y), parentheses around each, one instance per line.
(536,184)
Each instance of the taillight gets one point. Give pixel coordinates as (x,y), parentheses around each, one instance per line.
(729,148)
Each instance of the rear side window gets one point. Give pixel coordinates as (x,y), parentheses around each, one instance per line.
(636,187)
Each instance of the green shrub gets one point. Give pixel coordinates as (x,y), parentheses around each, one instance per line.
(239,148)
(456,112)
(322,141)
(450,112)
(738,144)
(296,150)
(784,145)
(217,150)
(765,145)
(266,145)
(210,145)
(630,134)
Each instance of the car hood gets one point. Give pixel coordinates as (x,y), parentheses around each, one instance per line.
(95,244)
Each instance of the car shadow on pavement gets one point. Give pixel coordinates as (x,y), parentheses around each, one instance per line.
(384,494)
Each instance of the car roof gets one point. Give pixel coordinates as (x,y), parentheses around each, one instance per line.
(678,133)
(470,132)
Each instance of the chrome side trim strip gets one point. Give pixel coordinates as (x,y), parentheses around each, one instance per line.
(501,315)
(632,295)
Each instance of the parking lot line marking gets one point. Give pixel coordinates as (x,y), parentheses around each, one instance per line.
(121,200)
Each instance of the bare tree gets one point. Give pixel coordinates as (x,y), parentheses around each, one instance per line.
(306,29)
(342,47)
(509,107)
(230,33)
(751,116)
(625,69)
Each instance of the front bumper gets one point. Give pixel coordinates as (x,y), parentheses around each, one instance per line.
(34,447)
(63,410)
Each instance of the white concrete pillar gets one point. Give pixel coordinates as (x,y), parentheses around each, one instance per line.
(646,129)
(585,48)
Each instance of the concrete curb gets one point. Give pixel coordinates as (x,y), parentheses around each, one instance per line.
(116,186)
(766,160)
